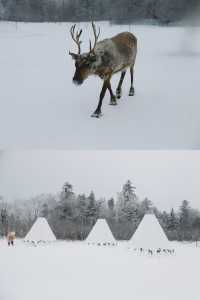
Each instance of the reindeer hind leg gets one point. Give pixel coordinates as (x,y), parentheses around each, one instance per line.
(119,87)
(132,90)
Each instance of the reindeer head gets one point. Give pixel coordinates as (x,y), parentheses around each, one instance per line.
(84,63)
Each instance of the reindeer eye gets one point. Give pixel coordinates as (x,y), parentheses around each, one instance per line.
(87,63)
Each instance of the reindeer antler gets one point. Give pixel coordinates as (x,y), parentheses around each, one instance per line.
(96,36)
(76,37)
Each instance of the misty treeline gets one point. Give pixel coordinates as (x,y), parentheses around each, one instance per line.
(72,216)
(120,11)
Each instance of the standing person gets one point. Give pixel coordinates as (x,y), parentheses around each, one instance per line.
(11,238)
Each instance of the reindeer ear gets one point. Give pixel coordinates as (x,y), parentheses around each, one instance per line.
(73,55)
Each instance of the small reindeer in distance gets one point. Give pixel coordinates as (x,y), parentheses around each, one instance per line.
(104,59)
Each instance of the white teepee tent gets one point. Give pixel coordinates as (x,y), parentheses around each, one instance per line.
(101,234)
(149,234)
(40,232)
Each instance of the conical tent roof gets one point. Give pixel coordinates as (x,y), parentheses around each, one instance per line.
(150,234)
(40,231)
(101,233)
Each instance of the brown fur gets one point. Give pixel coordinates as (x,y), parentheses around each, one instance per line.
(125,41)
(104,72)
(84,73)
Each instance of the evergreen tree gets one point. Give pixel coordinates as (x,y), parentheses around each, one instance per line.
(111,204)
(196,229)
(45,210)
(82,205)
(111,208)
(165,219)
(4,218)
(184,221)
(67,190)
(146,206)
(128,191)
(92,208)
(2,10)
(173,221)
(67,202)
(127,209)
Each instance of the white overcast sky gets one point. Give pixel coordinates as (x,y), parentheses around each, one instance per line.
(165,177)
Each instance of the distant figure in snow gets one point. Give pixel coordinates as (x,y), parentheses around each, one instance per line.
(11,238)
(150,251)
(104,59)
(171,251)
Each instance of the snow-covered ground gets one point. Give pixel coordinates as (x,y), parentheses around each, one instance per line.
(40,107)
(66,270)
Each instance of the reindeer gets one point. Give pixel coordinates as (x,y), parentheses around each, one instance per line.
(104,59)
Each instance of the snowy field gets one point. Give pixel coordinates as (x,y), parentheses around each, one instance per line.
(76,271)
(40,107)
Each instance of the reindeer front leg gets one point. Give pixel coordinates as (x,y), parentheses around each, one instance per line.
(112,96)
(97,112)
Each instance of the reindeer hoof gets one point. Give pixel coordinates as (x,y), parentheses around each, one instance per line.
(113,101)
(96,115)
(132,92)
(118,94)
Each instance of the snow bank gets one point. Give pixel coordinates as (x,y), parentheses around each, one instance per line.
(77,271)
(40,232)
(101,233)
(150,235)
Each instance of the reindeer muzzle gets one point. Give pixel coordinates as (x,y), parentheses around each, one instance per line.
(77,82)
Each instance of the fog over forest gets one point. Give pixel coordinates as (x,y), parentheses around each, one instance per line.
(72,216)
(81,186)
(119,11)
